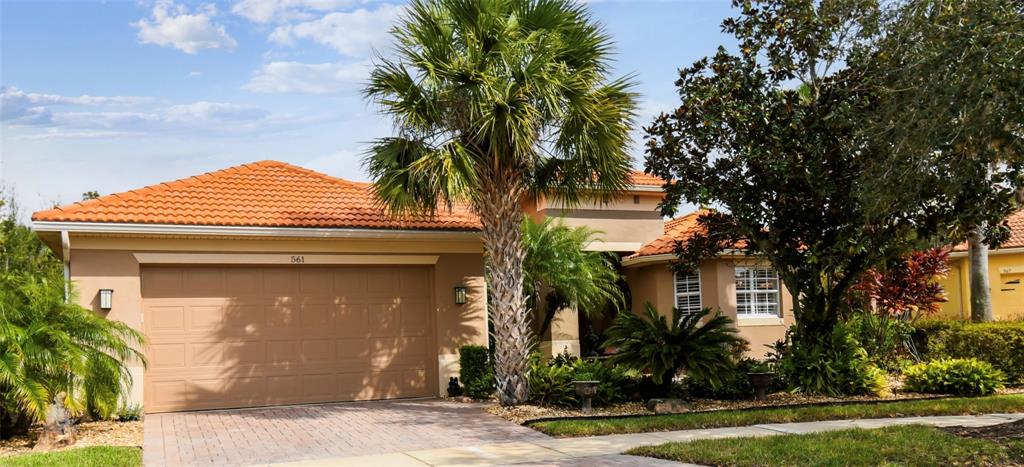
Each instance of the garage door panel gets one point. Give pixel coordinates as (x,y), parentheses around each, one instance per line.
(317,318)
(168,318)
(203,282)
(415,318)
(280,282)
(166,356)
(352,319)
(161,283)
(249,336)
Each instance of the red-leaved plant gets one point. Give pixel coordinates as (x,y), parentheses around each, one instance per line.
(907,288)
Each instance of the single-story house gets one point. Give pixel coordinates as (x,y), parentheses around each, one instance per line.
(1006,277)
(267,284)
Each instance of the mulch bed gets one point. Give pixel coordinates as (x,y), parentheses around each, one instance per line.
(1002,432)
(526,413)
(101,433)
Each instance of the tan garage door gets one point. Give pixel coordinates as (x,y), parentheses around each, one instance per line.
(251,336)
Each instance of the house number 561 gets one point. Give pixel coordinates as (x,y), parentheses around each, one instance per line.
(298,259)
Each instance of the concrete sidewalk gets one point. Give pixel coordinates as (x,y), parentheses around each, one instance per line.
(605,450)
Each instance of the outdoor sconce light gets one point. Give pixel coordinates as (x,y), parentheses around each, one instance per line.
(106,299)
(460,295)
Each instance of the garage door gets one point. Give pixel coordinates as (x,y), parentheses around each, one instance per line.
(224,337)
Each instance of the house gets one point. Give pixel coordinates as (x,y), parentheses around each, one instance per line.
(1006,277)
(268,284)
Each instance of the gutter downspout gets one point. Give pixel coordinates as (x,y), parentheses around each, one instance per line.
(65,245)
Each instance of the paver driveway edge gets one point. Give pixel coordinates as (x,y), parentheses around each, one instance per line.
(553,450)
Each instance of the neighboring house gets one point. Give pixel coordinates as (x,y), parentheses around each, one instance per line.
(269,284)
(1006,277)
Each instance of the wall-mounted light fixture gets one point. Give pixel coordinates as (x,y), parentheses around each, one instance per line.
(460,295)
(106,299)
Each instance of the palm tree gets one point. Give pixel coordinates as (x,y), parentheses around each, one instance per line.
(50,348)
(559,273)
(651,342)
(496,102)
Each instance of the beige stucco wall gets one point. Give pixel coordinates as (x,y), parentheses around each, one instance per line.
(654,283)
(110,263)
(625,223)
(1006,277)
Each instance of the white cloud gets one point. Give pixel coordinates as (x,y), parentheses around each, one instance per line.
(307,78)
(44,116)
(25,108)
(204,110)
(265,11)
(173,25)
(354,34)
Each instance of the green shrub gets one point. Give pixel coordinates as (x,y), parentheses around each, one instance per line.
(837,366)
(551,381)
(999,343)
(881,337)
(733,383)
(129,413)
(960,376)
(665,346)
(476,371)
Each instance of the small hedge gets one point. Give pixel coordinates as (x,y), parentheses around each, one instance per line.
(960,376)
(476,371)
(1000,343)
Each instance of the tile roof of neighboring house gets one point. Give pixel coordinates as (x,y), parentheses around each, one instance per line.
(260,194)
(644,179)
(676,230)
(1016,240)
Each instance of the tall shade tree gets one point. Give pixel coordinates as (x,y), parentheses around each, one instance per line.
(495,102)
(949,75)
(560,273)
(780,134)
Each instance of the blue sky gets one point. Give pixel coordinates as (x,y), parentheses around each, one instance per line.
(116,95)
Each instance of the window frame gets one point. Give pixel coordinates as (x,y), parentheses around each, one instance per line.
(752,292)
(677,294)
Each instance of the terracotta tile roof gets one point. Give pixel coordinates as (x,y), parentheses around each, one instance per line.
(676,230)
(261,194)
(640,178)
(1016,240)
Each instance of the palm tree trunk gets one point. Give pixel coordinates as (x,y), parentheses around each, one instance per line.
(981,292)
(501,217)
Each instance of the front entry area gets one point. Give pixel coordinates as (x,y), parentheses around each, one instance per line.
(247,336)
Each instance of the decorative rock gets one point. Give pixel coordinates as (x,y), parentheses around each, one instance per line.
(660,406)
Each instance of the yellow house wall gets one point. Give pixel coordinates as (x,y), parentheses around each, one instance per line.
(110,263)
(1007,296)
(654,283)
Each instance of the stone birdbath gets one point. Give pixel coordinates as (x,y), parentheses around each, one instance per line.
(586,390)
(761,380)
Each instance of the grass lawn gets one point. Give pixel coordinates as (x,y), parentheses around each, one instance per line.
(897,445)
(725,418)
(93,456)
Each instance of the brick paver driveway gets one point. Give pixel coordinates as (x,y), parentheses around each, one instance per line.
(281,434)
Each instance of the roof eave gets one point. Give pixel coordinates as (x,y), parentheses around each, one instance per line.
(241,231)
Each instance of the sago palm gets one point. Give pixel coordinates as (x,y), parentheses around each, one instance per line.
(665,346)
(559,272)
(495,102)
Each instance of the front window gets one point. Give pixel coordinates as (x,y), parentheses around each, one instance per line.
(688,292)
(757,292)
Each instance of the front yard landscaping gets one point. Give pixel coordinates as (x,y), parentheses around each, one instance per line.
(726,418)
(897,445)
